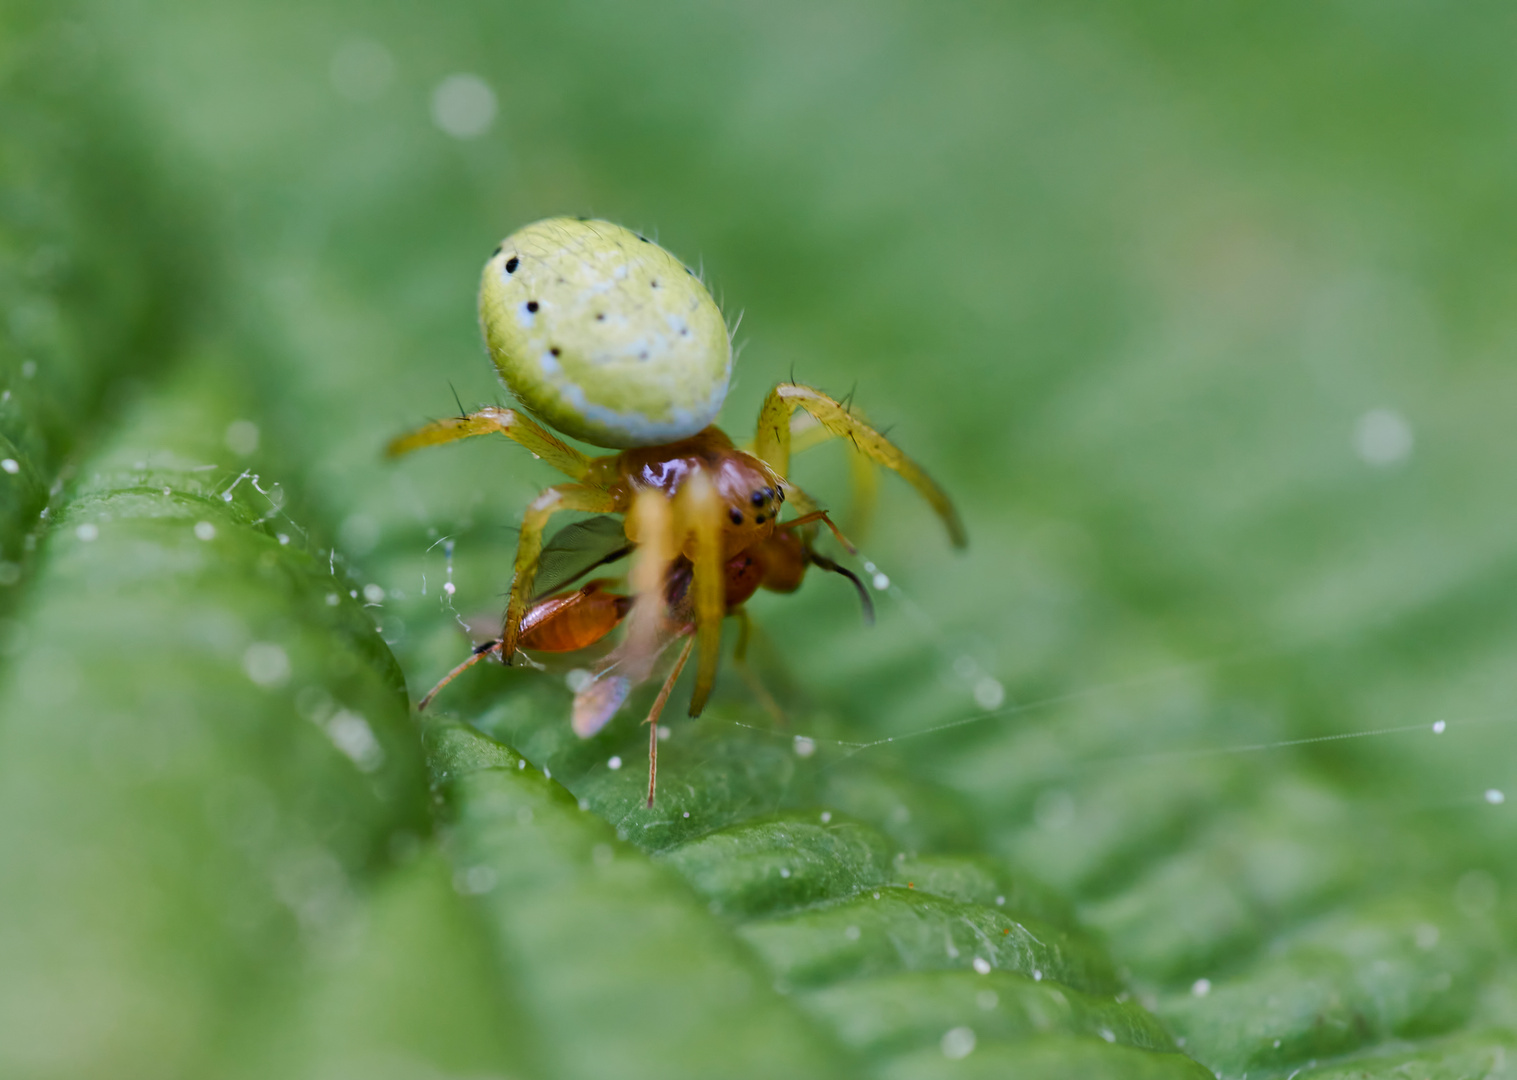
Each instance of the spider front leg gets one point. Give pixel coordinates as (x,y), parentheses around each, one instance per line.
(530,546)
(772,443)
(806,432)
(487,421)
(700,513)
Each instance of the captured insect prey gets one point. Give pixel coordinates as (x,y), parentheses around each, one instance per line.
(606,337)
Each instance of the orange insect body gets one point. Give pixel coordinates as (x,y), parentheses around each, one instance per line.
(570,621)
(576,619)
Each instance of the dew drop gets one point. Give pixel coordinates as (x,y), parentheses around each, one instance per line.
(361,70)
(958,1043)
(463,105)
(241,437)
(1382,437)
(989,694)
(267,664)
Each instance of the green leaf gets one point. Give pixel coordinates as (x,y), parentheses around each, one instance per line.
(1196,764)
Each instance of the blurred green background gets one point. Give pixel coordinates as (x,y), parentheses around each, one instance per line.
(1199,756)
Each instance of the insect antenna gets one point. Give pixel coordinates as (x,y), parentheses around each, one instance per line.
(864,598)
(480,652)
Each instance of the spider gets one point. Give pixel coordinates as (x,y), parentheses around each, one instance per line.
(605,336)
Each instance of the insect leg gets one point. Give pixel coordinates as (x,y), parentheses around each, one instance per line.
(821,515)
(479,654)
(553,499)
(490,420)
(658,708)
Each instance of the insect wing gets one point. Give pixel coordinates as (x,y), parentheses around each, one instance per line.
(577,549)
(597,703)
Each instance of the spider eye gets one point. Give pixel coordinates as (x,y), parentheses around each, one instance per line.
(736,515)
(511,263)
(758,498)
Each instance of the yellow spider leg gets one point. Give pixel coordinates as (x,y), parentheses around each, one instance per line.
(806,432)
(772,443)
(745,669)
(508,422)
(800,500)
(530,546)
(702,515)
(650,571)
(865,484)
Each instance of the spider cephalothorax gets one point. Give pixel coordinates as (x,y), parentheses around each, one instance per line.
(607,337)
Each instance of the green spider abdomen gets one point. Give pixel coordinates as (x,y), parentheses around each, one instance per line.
(603,334)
